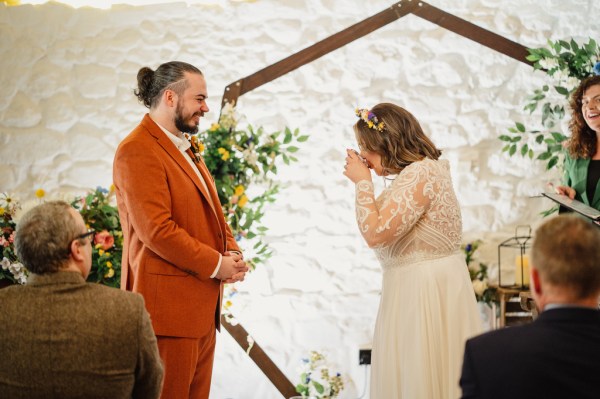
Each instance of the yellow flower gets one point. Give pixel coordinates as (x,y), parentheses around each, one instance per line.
(111,189)
(228,304)
(2,211)
(239,190)
(214,127)
(40,193)
(100,251)
(242,201)
(370,123)
(225,155)
(110,273)
(201,147)
(109,264)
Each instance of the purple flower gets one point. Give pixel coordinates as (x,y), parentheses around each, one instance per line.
(468,248)
(597,68)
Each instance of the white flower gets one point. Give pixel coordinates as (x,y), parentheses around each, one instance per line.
(479,287)
(229,118)
(548,63)
(5,263)
(561,75)
(250,156)
(571,83)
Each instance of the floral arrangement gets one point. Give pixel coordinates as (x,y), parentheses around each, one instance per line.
(241,160)
(12,270)
(97,212)
(100,214)
(479,274)
(316,380)
(370,119)
(566,63)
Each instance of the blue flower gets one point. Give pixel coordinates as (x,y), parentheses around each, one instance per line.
(597,68)
(102,190)
(468,248)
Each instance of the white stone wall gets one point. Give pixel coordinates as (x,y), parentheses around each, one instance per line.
(67,77)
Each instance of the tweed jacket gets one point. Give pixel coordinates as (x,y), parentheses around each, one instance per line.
(556,356)
(174,232)
(575,176)
(65,338)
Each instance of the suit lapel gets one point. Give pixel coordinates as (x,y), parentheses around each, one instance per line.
(178,157)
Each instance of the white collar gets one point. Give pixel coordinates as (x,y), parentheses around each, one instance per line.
(179,140)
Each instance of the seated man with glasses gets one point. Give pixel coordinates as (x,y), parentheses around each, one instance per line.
(63,337)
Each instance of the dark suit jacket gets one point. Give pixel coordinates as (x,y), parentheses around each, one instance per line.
(556,356)
(64,338)
(174,231)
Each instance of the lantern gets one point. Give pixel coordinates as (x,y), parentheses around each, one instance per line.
(513,259)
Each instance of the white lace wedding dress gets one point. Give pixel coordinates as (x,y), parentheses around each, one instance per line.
(427,308)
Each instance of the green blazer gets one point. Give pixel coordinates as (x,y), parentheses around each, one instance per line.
(65,338)
(575,176)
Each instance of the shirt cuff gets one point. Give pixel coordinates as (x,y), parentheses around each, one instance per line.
(218,267)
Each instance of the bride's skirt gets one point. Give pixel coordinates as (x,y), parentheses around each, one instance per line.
(427,312)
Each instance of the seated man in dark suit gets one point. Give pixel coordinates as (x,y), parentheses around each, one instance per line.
(558,355)
(63,337)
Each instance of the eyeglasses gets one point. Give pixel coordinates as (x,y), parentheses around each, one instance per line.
(90,233)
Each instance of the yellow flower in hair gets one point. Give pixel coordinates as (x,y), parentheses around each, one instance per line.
(370,124)
(380,126)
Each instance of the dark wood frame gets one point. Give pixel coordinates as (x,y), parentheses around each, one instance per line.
(398,10)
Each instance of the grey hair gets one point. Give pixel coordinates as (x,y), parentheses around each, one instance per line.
(43,237)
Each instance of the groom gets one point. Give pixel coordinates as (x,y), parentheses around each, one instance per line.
(178,250)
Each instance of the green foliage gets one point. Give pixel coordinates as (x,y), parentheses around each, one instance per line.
(102,216)
(11,269)
(566,63)
(245,161)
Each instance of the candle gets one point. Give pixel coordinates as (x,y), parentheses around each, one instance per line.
(522,271)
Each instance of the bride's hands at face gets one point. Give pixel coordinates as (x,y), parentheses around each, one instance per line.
(356,168)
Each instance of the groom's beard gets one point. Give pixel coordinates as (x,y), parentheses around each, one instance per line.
(186,125)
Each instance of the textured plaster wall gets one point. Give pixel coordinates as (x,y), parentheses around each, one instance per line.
(67,75)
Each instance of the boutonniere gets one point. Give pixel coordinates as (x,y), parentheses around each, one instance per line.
(195,146)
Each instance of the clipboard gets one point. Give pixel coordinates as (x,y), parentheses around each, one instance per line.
(575,205)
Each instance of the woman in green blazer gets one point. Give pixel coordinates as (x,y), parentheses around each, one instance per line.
(582,161)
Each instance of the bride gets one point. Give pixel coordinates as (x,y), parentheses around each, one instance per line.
(427,308)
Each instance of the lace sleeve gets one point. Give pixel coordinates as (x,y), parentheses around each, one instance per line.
(401,206)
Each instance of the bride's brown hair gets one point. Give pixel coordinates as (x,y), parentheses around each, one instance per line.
(401,142)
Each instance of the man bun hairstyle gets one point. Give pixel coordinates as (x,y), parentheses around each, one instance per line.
(170,75)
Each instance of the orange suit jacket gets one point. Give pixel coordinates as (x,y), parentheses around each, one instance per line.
(172,234)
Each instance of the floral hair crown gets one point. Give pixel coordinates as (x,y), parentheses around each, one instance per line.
(370,119)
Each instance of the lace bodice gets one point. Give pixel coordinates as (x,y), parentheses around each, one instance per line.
(417,217)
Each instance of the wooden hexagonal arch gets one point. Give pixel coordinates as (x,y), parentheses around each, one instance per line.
(398,10)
